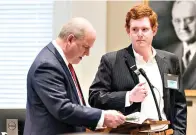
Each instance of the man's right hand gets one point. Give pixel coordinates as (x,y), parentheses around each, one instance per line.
(138,93)
(113,118)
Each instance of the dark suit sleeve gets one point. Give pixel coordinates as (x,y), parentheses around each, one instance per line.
(101,94)
(180,107)
(50,85)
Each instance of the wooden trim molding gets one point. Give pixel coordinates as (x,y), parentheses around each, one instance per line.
(190,93)
(145,2)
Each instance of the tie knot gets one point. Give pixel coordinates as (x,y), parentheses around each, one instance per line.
(188,53)
(70,66)
(187,58)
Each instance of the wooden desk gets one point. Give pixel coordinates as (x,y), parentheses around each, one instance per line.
(127,127)
(191,109)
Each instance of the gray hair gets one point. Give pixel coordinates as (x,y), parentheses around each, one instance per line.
(76,26)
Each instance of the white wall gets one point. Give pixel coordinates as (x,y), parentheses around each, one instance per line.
(62,13)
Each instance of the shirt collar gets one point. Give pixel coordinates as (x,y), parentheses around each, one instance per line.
(191,47)
(59,49)
(139,58)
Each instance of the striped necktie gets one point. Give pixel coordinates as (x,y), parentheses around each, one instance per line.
(76,83)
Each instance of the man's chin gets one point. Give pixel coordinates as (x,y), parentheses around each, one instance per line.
(141,44)
(77,61)
(185,39)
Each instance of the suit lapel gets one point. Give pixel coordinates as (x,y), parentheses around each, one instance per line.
(189,74)
(163,68)
(60,59)
(130,58)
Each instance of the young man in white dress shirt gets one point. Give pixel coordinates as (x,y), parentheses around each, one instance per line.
(117,86)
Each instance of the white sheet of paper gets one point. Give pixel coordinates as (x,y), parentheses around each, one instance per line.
(136,117)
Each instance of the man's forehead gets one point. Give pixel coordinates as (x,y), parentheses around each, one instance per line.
(184,9)
(143,22)
(88,41)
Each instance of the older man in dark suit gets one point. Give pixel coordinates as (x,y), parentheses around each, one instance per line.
(55,104)
(116,86)
(188,72)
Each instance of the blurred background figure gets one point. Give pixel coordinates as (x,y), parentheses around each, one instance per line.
(184,22)
(177,34)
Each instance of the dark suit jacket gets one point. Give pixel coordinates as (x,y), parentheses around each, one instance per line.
(52,101)
(189,74)
(114,79)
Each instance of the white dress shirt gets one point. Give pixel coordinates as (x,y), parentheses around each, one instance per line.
(101,120)
(148,107)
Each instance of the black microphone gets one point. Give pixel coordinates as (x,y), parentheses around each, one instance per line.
(135,70)
(132,72)
(153,94)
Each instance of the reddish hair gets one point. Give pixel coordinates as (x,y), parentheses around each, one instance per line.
(140,11)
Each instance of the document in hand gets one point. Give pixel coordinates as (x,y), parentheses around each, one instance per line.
(137,122)
(139,118)
(136,117)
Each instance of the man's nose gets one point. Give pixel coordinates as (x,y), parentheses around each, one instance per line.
(87,52)
(140,33)
(183,25)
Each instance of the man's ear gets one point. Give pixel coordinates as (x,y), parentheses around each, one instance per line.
(155,31)
(128,31)
(70,38)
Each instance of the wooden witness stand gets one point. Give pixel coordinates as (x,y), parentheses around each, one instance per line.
(190,93)
(130,128)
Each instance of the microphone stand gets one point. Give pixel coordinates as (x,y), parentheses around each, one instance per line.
(153,94)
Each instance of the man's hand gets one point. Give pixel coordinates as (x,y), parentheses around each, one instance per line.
(138,93)
(113,118)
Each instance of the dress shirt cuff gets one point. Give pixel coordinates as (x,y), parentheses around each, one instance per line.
(127,101)
(101,120)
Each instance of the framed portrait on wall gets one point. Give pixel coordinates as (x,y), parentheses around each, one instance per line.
(177,34)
